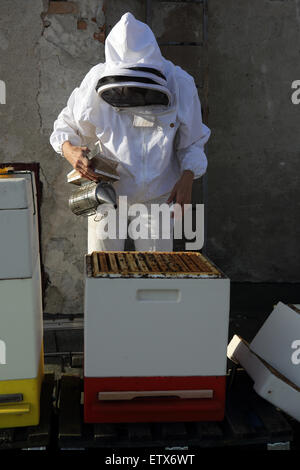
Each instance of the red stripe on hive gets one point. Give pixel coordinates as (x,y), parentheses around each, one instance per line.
(154,409)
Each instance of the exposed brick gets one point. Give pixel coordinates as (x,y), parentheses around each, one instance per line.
(81,24)
(62,8)
(100,36)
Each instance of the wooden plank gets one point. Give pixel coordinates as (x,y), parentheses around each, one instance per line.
(161,263)
(187,261)
(70,418)
(113,262)
(141,263)
(102,263)
(198,262)
(96,271)
(172,266)
(122,263)
(131,262)
(150,260)
(184,268)
(130,395)
(204,263)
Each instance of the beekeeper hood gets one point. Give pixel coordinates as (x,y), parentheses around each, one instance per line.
(134,69)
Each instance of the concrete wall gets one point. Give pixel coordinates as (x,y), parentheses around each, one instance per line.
(254,164)
(253,190)
(43,58)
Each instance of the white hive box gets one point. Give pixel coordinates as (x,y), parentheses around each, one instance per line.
(18,227)
(268,382)
(21,326)
(277,340)
(21,333)
(156,325)
(20,278)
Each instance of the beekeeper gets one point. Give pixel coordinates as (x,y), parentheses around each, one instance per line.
(146,113)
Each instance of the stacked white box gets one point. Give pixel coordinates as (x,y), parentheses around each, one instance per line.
(156,327)
(20,279)
(18,227)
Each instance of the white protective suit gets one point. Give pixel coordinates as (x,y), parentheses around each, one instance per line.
(153,145)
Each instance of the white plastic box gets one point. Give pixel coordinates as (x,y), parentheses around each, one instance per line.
(21,328)
(156,327)
(276,341)
(20,278)
(21,333)
(18,227)
(268,382)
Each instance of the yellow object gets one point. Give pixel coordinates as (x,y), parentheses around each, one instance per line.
(27,411)
(4,172)
(18,409)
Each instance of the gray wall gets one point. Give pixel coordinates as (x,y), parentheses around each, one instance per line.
(253,56)
(41,63)
(254,151)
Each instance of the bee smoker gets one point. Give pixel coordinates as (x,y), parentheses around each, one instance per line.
(85,200)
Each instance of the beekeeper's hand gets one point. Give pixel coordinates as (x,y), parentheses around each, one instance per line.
(182,191)
(77,156)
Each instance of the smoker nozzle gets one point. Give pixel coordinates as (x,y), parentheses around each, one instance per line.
(105,194)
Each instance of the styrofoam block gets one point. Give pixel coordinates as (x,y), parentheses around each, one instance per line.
(268,382)
(278,339)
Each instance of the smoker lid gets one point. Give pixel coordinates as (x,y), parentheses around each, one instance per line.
(150,264)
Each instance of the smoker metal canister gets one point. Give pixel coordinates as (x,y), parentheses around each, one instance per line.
(86,199)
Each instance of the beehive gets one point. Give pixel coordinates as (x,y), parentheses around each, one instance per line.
(149,264)
(156,327)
